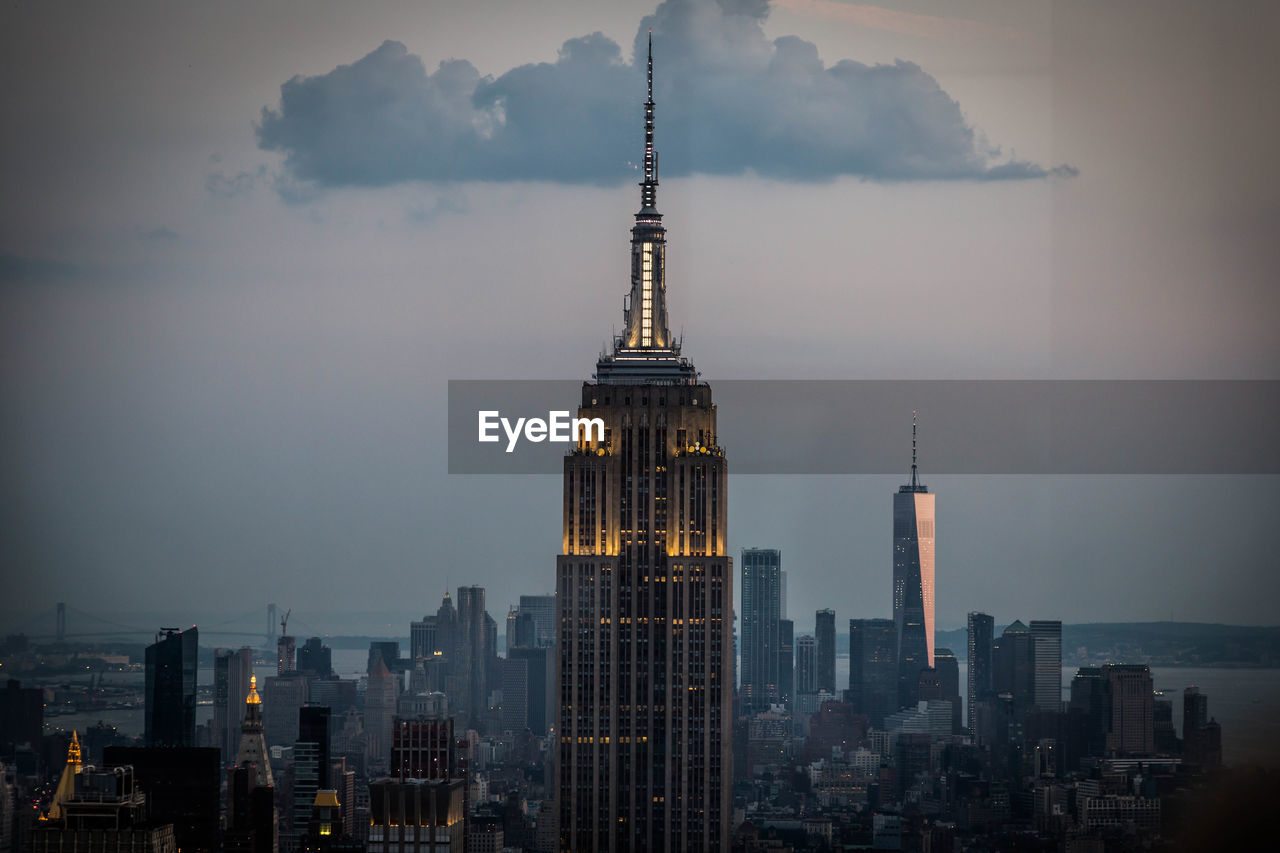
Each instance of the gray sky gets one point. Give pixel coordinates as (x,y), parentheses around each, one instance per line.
(225,334)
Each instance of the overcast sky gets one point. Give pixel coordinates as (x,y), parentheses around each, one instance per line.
(244,246)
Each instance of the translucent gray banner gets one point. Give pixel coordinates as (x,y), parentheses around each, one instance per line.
(966,427)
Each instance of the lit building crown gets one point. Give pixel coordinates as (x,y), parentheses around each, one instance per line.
(646,352)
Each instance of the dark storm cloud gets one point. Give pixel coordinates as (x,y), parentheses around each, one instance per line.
(730,100)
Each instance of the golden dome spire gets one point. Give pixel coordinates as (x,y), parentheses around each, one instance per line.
(73,750)
(254,698)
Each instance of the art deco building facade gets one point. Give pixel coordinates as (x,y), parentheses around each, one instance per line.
(913,579)
(645,587)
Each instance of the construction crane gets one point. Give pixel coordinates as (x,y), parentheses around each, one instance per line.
(284,623)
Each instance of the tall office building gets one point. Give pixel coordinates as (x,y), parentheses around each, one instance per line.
(286,654)
(645,586)
(417,816)
(948,670)
(311,762)
(786,660)
(380,702)
(1089,704)
(1195,709)
(873,668)
(528,692)
(805,665)
(1201,734)
(1014,670)
(21,716)
(282,696)
(472,653)
(913,516)
(182,787)
(251,754)
(422,747)
(540,611)
(447,627)
(170,717)
(1131,709)
(252,824)
(825,655)
(1046,640)
(761,611)
(423,639)
(982,628)
(231,674)
(315,658)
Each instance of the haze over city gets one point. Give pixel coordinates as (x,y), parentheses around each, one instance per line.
(229,315)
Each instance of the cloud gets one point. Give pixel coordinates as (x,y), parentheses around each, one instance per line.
(238,185)
(730,101)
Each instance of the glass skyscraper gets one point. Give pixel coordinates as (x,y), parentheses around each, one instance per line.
(913,516)
(982,628)
(825,655)
(761,612)
(170,714)
(873,668)
(1046,639)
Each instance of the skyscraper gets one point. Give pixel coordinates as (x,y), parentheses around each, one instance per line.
(231,674)
(527,690)
(913,515)
(171,688)
(645,586)
(379,714)
(982,628)
(286,654)
(805,665)
(1131,711)
(473,653)
(541,610)
(761,610)
(252,752)
(423,639)
(310,763)
(315,658)
(1014,670)
(948,669)
(825,656)
(873,668)
(282,696)
(786,660)
(1046,639)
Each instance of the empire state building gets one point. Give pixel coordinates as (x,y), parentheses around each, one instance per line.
(645,588)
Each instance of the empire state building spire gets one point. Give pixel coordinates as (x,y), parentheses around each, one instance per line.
(649,186)
(646,350)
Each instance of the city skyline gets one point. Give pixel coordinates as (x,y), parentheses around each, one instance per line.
(239,400)
(215,373)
